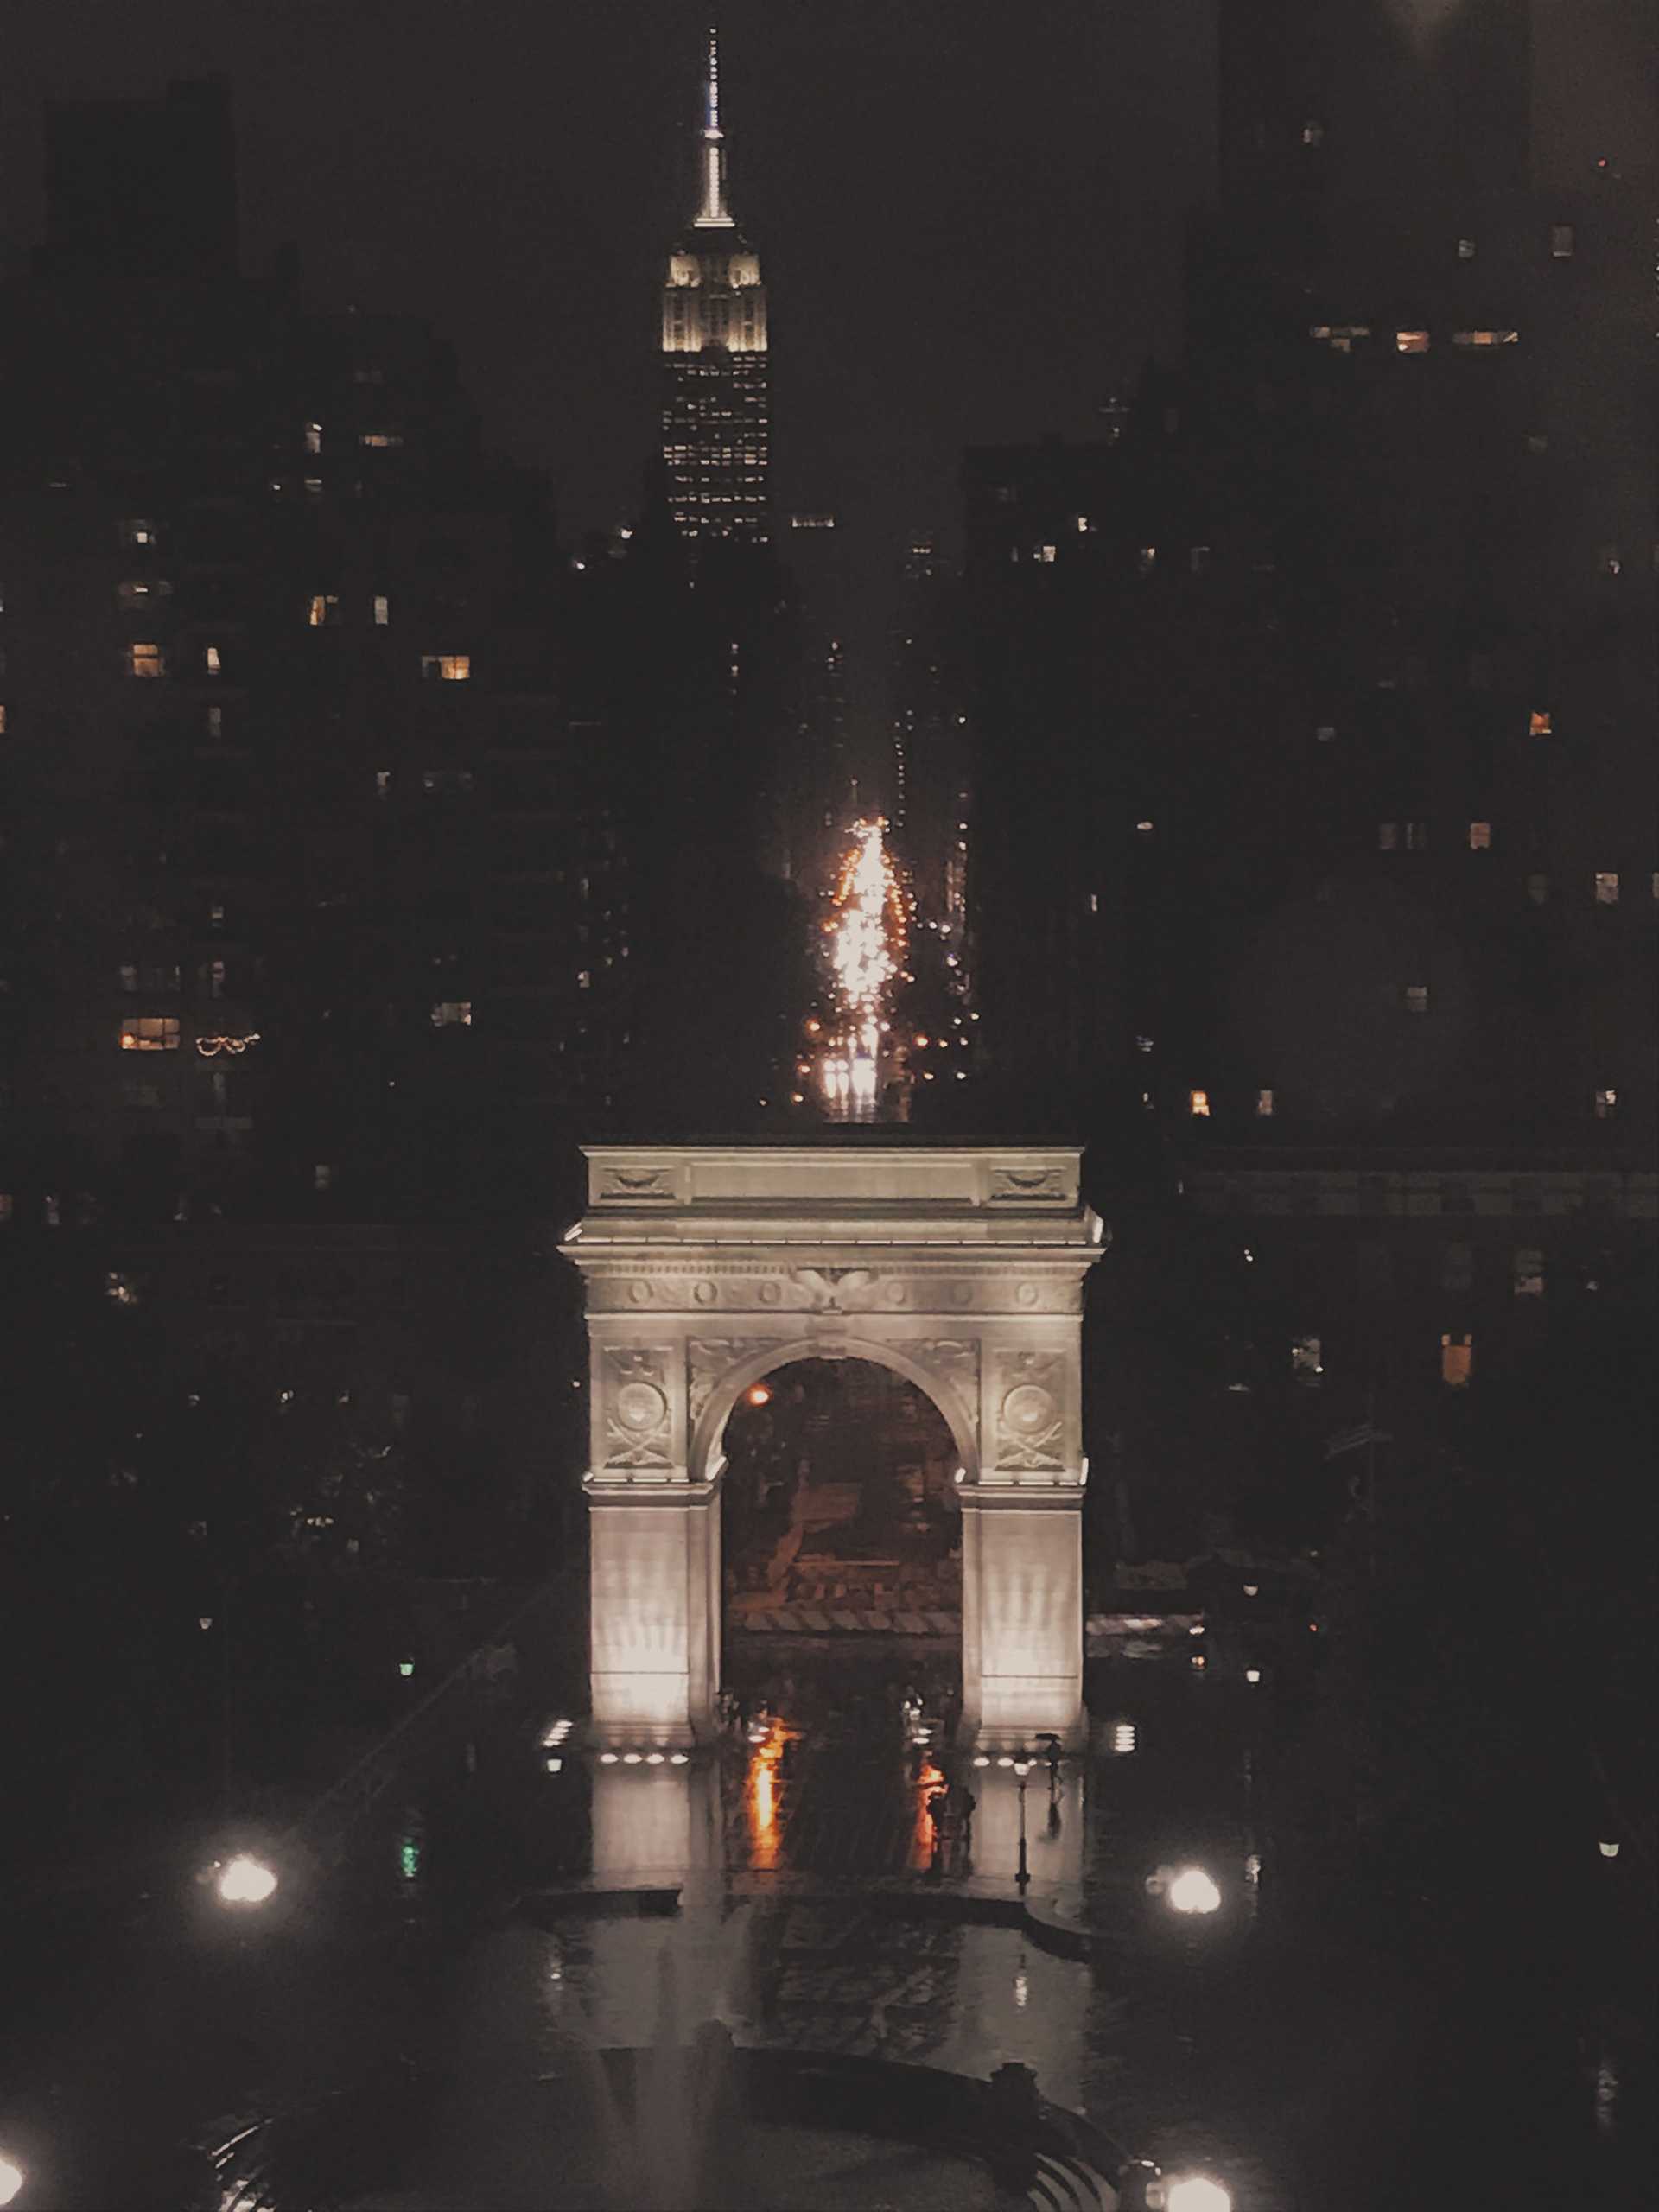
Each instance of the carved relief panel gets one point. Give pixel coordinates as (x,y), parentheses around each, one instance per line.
(637,1407)
(1028,1412)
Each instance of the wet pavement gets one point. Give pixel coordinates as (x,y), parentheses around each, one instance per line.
(457,2041)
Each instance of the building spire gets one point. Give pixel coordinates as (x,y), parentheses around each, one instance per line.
(713,213)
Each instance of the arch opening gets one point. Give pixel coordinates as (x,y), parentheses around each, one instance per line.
(840,1529)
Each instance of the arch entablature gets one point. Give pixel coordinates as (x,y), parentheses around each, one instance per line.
(959,1266)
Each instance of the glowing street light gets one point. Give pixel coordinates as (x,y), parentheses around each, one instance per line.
(1196,2193)
(1192,1892)
(12,2177)
(245,1880)
(1022,1768)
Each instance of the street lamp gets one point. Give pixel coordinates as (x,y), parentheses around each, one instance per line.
(245,1880)
(1022,1768)
(1192,1892)
(12,2177)
(1194,2193)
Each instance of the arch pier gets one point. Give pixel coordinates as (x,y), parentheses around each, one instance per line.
(707,1267)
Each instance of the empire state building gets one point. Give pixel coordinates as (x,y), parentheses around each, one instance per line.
(715,359)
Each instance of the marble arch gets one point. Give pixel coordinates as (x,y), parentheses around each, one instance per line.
(960,1266)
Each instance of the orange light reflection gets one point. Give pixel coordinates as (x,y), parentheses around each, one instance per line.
(761,1800)
(921,1842)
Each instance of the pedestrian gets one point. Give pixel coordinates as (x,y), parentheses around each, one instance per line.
(937,1808)
(966,1803)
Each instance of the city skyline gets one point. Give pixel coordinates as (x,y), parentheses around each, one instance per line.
(1141,696)
(403,212)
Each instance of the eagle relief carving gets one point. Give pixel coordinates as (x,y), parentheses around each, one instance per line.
(638,1418)
(830,1289)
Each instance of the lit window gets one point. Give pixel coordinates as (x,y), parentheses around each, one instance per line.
(119,1290)
(1416,838)
(1529,1274)
(452,1014)
(1539,725)
(449,668)
(1560,241)
(1081,522)
(380,438)
(1046,552)
(137,533)
(1340,337)
(1411,341)
(1607,890)
(1538,889)
(1306,1363)
(1416,998)
(140,590)
(1143,829)
(211,661)
(314,487)
(146,660)
(215,722)
(1264,1105)
(1197,1102)
(1607,561)
(1387,836)
(1466,248)
(321,1177)
(1457,1267)
(324,609)
(314,437)
(382,610)
(383,783)
(1313,134)
(1467,338)
(149,1033)
(1480,837)
(2,722)
(1325,733)
(1147,559)
(216,914)
(1606,1104)
(1457,1359)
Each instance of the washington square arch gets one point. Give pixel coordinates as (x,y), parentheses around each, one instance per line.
(958,1266)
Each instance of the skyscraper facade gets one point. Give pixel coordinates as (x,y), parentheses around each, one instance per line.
(715,425)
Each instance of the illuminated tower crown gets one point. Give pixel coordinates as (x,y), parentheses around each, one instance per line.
(715,359)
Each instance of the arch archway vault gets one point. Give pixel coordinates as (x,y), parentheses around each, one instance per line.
(960,1266)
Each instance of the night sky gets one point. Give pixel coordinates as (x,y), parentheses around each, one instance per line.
(970,210)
